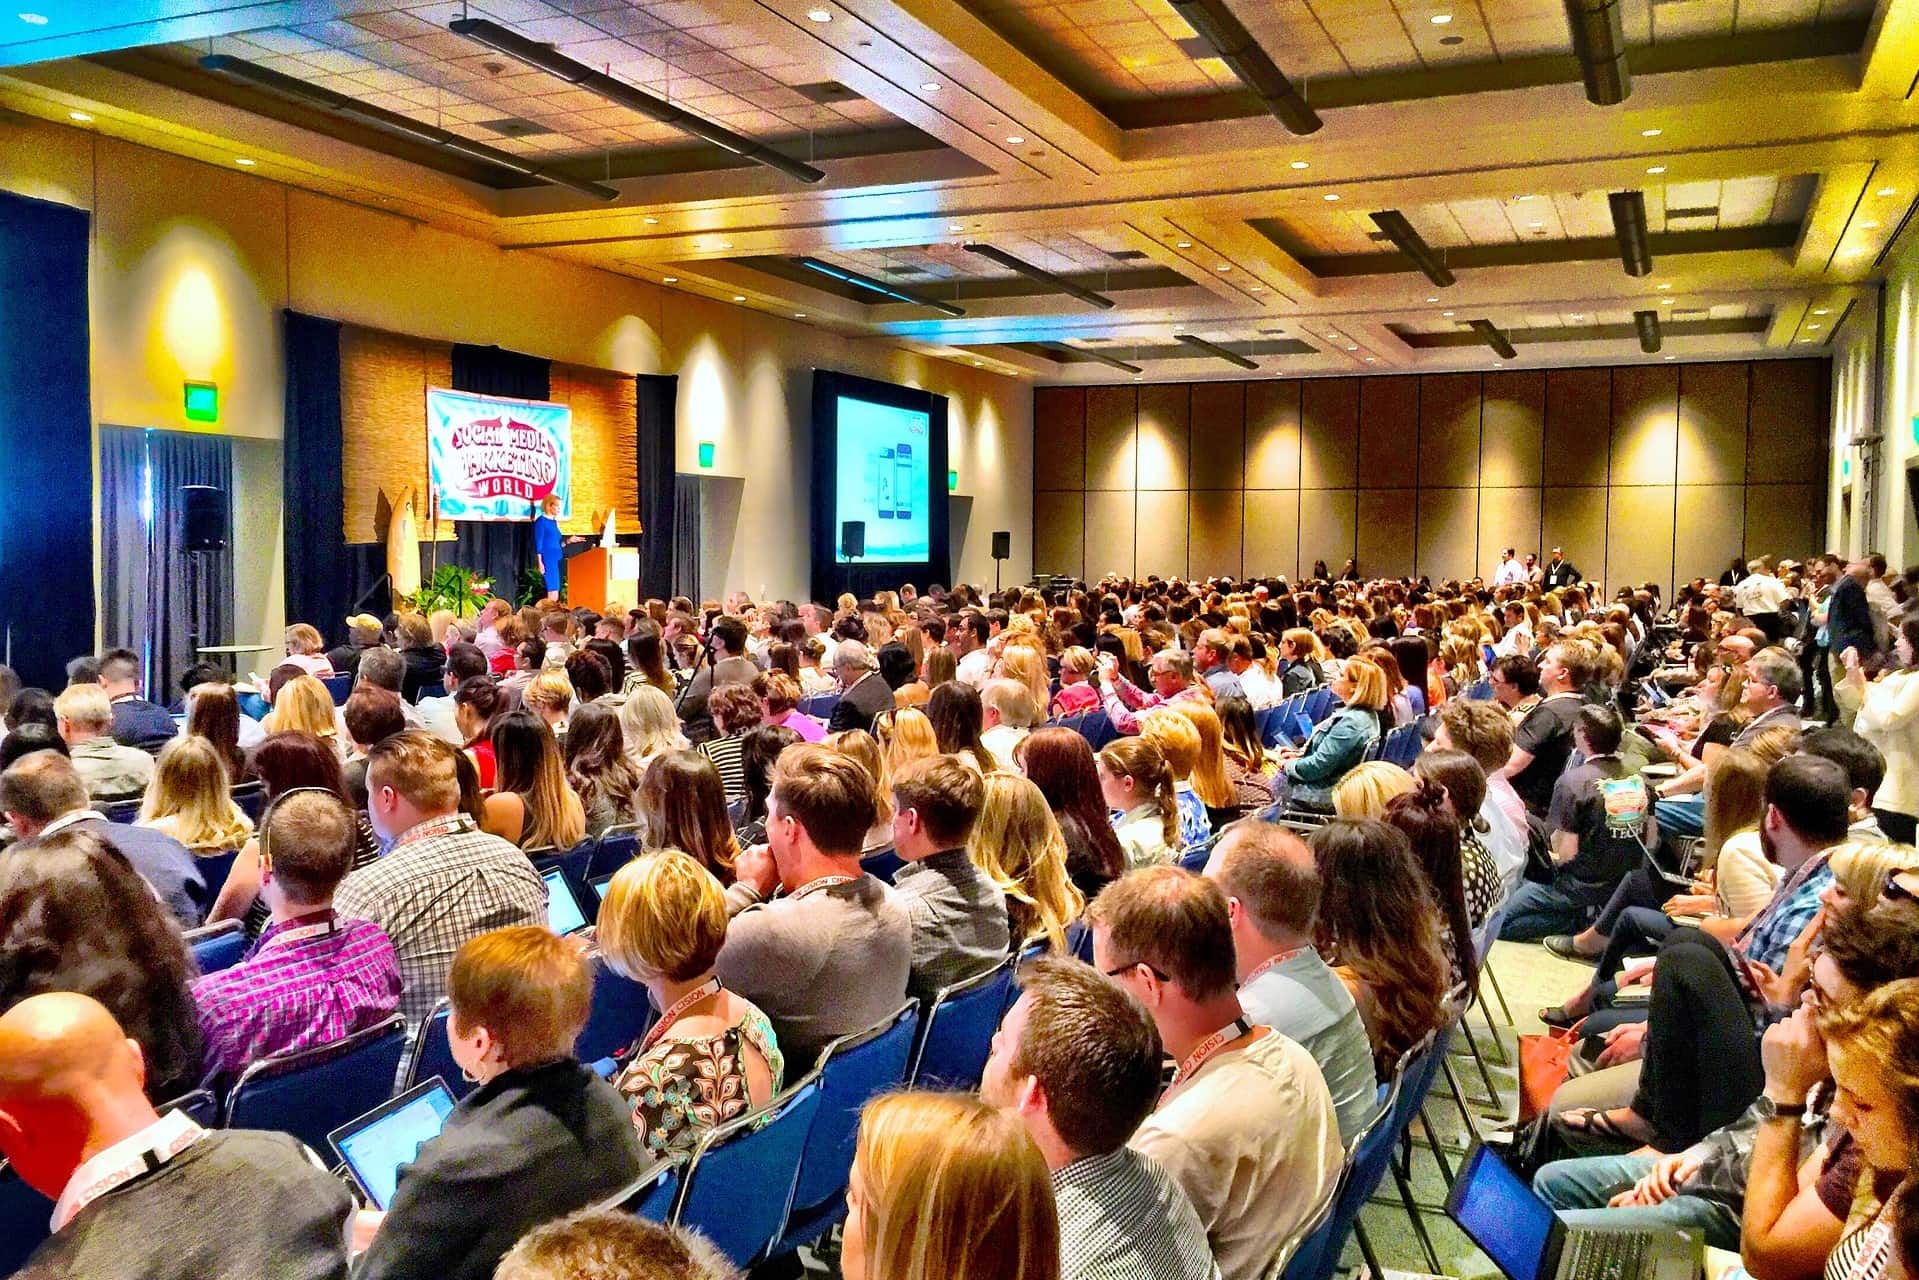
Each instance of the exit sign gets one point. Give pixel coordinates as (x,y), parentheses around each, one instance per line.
(202,402)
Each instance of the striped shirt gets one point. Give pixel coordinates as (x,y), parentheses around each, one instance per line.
(305,983)
(1121,1217)
(725,755)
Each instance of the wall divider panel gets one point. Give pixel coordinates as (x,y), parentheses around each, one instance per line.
(1657,472)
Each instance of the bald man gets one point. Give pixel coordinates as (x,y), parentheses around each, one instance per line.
(140,1195)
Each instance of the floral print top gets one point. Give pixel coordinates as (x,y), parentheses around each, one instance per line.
(680,1088)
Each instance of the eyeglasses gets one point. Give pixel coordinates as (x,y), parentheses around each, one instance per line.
(1115,971)
(1896,892)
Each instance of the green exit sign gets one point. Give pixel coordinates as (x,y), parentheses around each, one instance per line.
(706,453)
(952,482)
(203,402)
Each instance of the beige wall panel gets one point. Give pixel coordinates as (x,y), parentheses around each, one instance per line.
(1218,453)
(1574,520)
(1328,434)
(1710,530)
(1639,536)
(1448,432)
(1109,533)
(1161,537)
(1386,532)
(1645,425)
(1578,430)
(1059,438)
(1512,424)
(1508,518)
(1272,435)
(1712,424)
(1213,525)
(1163,430)
(1059,532)
(1328,528)
(1448,532)
(1785,520)
(1791,419)
(1112,434)
(1272,533)
(1389,432)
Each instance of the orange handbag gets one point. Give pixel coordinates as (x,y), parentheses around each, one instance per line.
(1542,1067)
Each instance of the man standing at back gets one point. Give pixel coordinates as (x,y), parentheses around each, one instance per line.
(146,1196)
(832,955)
(1077,1059)
(136,721)
(1247,1128)
(443,880)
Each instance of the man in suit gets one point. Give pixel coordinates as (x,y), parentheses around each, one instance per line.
(865,692)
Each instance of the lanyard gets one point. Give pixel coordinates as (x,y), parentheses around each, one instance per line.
(1270,962)
(1209,1046)
(298,933)
(174,1133)
(710,987)
(824,882)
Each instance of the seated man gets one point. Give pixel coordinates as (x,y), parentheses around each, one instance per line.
(144,1196)
(463,662)
(1077,1059)
(832,956)
(42,794)
(1601,822)
(958,914)
(442,880)
(1770,696)
(312,978)
(110,770)
(1247,1128)
(1271,881)
(384,668)
(606,1244)
(136,721)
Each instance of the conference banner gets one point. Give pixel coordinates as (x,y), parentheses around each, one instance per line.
(490,458)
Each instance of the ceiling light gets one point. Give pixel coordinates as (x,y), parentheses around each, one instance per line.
(1372,359)
(1441,19)
(1666,286)
(1042,275)
(1579,315)
(1535,224)
(1672,357)
(34,19)
(819,15)
(1445,313)
(978,365)
(1222,267)
(1259,288)
(1820,311)
(1599,42)
(1352,348)
(1812,326)
(1432,299)
(1333,337)
(79,117)
(243,160)
(1332,195)
(651,222)
(1804,341)
(1215,23)
(739,297)
(1300,164)
(1524,199)
(669,279)
(1656,169)
(1665,302)
(1883,192)
(880,287)
(1184,244)
(724,244)
(1868,226)
(1013,139)
(897,200)
(1650,133)
(931,86)
(957,226)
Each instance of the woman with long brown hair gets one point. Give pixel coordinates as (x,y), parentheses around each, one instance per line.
(646,658)
(1423,817)
(531,805)
(213,713)
(1061,764)
(476,705)
(1244,755)
(958,719)
(683,806)
(599,772)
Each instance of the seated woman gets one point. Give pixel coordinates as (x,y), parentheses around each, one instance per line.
(1211,783)
(758,754)
(598,771)
(531,805)
(1463,785)
(1365,791)
(306,649)
(1076,693)
(1432,831)
(1307,775)
(1018,843)
(1248,770)
(779,695)
(213,713)
(712,1055)
(304,706)
(540,1137)
(878,845)
(1137,785)
(905,735)
(549,695)
(1379,928)
(682,807)
(947,1185)
(1061,764)
(191,799)
(476,705)
(958,719)
(1178,742)
(651,726)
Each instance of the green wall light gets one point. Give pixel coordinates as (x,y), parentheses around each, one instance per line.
(202,402)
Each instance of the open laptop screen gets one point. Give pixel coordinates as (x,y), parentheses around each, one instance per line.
(563,914)
(376,1145)
(1502,1215)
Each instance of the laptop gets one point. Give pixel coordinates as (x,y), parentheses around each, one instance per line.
(598,885)
(375,1146)
(564,915)
(1528,1241)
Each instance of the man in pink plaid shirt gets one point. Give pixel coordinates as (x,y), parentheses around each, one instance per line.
(312,978)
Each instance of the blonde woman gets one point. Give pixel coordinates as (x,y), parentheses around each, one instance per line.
(1018,842)
(1366,791)
(549,695)
(1026,663)
(1178,741)
(905,735)
(306,649)
(1077,692)
(1307,776)
(651,726)
(865,749)
(946,1186)
(1136,784)
(713,1054)
(1210,781)
(191,799)
(304,706)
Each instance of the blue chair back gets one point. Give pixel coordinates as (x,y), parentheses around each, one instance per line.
(218,946)
(882,864)
(251,797)
(1097,728)
(651,1195)
(1367,1158)
(311,1093)
(1079,940)
(432,1055)
(429,691)
(1481,691)
(24,1215)
(958,1031)
(200,1105)
(739,1183)
(1267,720)
(339,688)
(125,812)
(819,705)
(254,707)
(1319,704)
(853,1070)
(1309,1260)
(616,847)
(213,869)
(620,1015)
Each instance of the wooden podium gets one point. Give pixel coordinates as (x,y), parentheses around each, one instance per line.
(597,575)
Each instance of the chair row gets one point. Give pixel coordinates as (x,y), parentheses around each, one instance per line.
(250,796)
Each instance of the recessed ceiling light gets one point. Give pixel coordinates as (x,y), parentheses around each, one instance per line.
(669,279)
(1184,244)
(931,86)
(1445,313)
(1868,226)
(651,222)
(1432,299)
(79,117)
(1013,139)
(1222,267)
(1665,286)
(1332,195)
(1372,359)
(1650,133)
(1524,199)
(1883,192)
(957,226)
(799,315)
(819,15)
(243,160)
(1820,311)
(1301,164)
(1352,348)
(1259,288)
(1672,357)
(978,365)
(34,19)
(1578,315)
(1665,302)
(1812,326)
(1441,19)
(725,244)
(739,297)
(1804,341)
(1656,169)
(1495,364)
(1535,224)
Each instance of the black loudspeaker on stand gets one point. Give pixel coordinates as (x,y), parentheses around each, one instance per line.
(852,538)
(204,519)
(1002,549)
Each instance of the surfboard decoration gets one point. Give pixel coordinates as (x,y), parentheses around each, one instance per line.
(403,546)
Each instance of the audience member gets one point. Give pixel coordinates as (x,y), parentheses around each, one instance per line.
(1543,739)
(1009,713)
(436,715)
(957,912)
(372,715)
(1307,776)
(1137,787)
(1433,834)
(111,770)
(363,632)
(1060,762)
(1368,787)
(864,693)
(682,807)
(213,713)
(531,804)
(609,1244)
(136,721)
(424,658)
(598,771)
(191,799)
(1017,843)
(958,718)
(734,709)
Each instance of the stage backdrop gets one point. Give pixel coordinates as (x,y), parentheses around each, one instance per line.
(497,459)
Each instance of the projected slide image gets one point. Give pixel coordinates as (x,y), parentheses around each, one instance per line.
(882,479)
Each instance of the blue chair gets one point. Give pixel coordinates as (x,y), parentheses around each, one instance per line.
(819,705)
(1079,940)
(651,1195)
(432,1055)
(617,846)
(1097,728)
(213,869)
(311,1093)
(852,1070)
(1481,691)
(218,946)
(620,1015)
(739,1182)
(253,706)
(24,1215)
(251,797)
(339,688)
(1368,1157)
(125,812)
(429,691)
(1319,704)
(1309,1254)
(957,1034)
(1267,722)
(200,1105)
(882,864)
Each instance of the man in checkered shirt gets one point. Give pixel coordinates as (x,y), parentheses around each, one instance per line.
(1077,1059)
(443,880)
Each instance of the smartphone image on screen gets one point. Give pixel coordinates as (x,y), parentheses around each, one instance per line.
(883,491)
(903,481)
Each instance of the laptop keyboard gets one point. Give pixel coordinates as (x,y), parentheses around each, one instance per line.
(1606,1255)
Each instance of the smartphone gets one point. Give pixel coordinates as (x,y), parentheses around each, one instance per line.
(903,481)
(883,485)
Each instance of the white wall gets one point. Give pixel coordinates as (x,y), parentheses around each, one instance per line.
(1876,391)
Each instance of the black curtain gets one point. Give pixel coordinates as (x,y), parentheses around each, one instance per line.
(686,551)
(161,601)
(46,441)
(497,549)
(655,399)
(326,577)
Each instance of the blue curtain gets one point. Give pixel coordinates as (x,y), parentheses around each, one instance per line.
(326,577)
(655,399)
(160,602)
(46,441)
(497,549)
